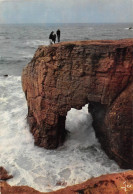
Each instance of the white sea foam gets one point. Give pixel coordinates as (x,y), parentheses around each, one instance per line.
(27,56)
(35,43)
(129,28)
(77,160)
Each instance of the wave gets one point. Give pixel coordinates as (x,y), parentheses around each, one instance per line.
(2,37)
(27,56)
(12,60)
(36,43)
(32,44)
(24,55)
(129,28)
(4,59)
(8,60)
(4,33)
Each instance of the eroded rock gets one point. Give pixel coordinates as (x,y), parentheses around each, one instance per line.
(4,174)
(72,74)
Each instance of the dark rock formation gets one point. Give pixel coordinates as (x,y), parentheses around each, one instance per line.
(107,184)
(4,174)
(6,75)
(71,74)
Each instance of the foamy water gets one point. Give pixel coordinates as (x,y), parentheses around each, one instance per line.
(35,43)
(77,160)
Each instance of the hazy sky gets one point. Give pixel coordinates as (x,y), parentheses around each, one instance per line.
(56,11)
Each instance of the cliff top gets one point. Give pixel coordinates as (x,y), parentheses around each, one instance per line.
(121,42)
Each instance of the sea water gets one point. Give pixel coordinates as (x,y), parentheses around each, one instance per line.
(81,156)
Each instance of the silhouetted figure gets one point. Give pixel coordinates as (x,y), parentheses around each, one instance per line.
(58,35)
(51,37)
(54,38)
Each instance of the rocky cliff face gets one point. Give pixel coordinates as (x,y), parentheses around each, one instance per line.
(72,74)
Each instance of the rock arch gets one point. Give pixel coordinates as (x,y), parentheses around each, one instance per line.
(72,74)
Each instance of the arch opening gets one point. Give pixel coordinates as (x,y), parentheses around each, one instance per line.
(79,125)
(83,145)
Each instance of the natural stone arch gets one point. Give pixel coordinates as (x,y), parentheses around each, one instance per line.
(69,75)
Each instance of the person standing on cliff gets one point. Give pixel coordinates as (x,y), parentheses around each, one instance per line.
(54,38)
(58,34)
(51,37)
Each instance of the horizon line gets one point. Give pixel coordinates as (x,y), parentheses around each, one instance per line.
(72,23)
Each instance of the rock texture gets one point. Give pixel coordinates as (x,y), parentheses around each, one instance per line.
(4,174)
(120,183)
(5,188)
(72,74)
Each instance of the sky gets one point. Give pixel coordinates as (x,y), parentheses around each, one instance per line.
(66,11)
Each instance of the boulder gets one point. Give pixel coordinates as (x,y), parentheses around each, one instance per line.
(4,174)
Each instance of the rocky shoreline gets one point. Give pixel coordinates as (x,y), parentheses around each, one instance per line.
(106,184)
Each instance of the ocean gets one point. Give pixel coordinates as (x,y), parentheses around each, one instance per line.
(81,156)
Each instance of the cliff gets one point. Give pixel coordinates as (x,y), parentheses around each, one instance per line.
(72,74)
(107,184)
